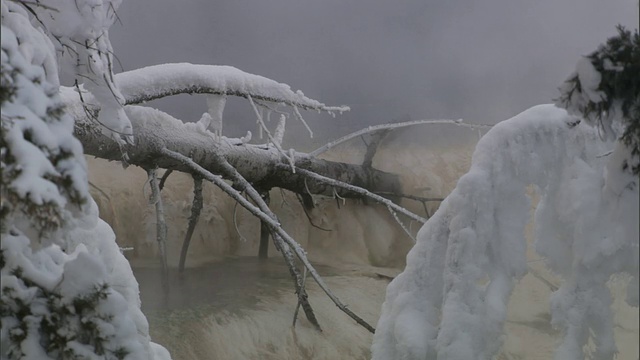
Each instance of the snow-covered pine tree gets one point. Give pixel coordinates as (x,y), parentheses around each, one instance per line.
(605,91)
(67,291)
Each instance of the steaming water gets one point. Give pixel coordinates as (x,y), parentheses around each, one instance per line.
(230,305)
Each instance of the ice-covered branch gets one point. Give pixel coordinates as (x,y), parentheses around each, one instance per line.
(376,128)
(154,82)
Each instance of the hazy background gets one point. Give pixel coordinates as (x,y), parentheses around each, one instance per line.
(482,61)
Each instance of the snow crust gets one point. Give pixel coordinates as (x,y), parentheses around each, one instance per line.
(450,301)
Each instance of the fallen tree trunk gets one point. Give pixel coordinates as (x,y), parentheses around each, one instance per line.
(259,164)
(162,141)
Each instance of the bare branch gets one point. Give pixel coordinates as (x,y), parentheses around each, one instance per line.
(295,313)
(358,190)
(375,128)
(235,222)
(161,225)
(407,231)
(373,146)
(165,176)
(196,207)
(263,251)
(304,208)
(410,197)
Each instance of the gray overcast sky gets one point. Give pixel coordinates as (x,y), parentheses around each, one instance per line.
(483,61)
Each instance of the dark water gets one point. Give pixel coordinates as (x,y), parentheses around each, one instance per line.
(181,317)
(231,285)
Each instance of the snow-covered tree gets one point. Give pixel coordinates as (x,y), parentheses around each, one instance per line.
(67,291)
(451,300)
(605,90)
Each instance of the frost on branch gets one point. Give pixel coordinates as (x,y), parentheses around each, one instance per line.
(450,301)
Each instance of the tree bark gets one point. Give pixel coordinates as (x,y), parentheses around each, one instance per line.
(196,207)
(155,130)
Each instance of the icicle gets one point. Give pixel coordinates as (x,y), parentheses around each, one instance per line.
(263,127)
(292,160)
(215,105)
(279,133)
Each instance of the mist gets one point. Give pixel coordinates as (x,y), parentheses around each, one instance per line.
(482,62)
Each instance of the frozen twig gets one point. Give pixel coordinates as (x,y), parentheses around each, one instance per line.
(407,231)
(376,128)
(299,116)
